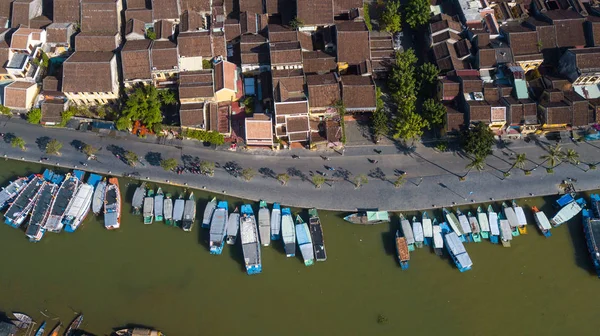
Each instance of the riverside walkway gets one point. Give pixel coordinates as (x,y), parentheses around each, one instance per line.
(431,178)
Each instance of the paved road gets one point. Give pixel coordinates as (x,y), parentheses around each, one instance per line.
(431,179)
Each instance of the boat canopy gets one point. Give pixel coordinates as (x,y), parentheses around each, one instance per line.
(378,216)
(427,227)
(493,221)
(407,230)
(511,217)
(418,232)
(483,222)
(464,224)
(438,242)
(505,229)
(542,220)
(520,215)
(564,200)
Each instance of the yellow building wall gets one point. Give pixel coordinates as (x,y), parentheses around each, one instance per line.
(225,95)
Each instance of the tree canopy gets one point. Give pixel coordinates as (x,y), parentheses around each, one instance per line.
(53,147)
(478,141)
(168,164)
(34,116)
(409,126)
(18,142)
(428,77)
(131,158)
(5,111)
(418,13)
(380,118)
(390,18)
(434,112)
(143,104)
(89,150)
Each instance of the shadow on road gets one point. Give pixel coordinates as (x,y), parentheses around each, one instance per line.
(8,137)
(153,158)
(77,144)
(267,172)
(42,142)
(293,171)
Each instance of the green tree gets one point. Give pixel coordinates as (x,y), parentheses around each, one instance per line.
(249,104)
(283,178)
(418,13)
(89,150)
(168,164)
(5,111)
(101,112)
(341,109)
(367,16)
(428,77)
(519,162)
(399,181)
(477,163)
(53,147)
(402,81)
(554,157)
(409,127)
(572,157)
(318,181)
(167,97)
(248,174)
(34,116)
(66,116)
(143,104)
(380,122)
(131,158)
(390,18)
(151,34)
(434,112)
(18,142)
(478,141)
(207,168)
(296,23)
(360,180)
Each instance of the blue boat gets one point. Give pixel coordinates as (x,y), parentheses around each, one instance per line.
(402,251)
(456,249)
(564,200)
(250,241)
(567,212)
(80,204)
(11,191)
(591,230)
(218,228)
(305,242)
(35,230)
(41,329)
(23,203)
(494,225)
(53,177)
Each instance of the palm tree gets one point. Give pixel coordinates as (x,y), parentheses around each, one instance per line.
(520,160)
(555,157)
(572,157)
(283,178)
(360,180)
(476,163)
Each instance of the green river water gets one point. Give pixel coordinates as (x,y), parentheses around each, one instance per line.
(162,277)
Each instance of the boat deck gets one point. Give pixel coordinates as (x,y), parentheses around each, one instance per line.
(418,232)
(493,222)
(24,199)
(138,196)
(316,232)
(511,216)
(438,241)
(427,227)
(42,204)
(407,231)
(178,209)
(402,248)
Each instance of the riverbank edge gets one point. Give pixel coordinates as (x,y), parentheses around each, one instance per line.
(210,190)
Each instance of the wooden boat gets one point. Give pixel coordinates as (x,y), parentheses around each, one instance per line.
(407,232)
(23,320)
(189,213)
(418,232)
(138,199)
(475,230)
(494,225)
(112,205)
(250,241)
(368,217)
(276,222)
(41,329)
(98,200)
(520,217)
(511,217)
(465,227)
(19,209)
(35,230)
(233,226)
(456,249)
(11,191)
(316,233)
(218,228)
(56,330)
(288,232)
(542,221)
(138,332)
(80,204)
(149,207)
(402,251)
(452,221)
(506,231)
(427,228)
(264,223)
(305,242)
(591,231)
(438,240)
(208,212)
(484,224)
(178,210)
(168,209)
(76,322)
(567,212)
(159,201)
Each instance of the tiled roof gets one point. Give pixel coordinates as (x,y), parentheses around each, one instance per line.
(297,107)
(164,55)
(165,9)
(20,37)
(5,8)
(248,23)
(219,45)
(50,83)
(192,115)
(88,72)
(323,90)
(190,21)
(297,124)
(219,117)
(195,5)
(58,33)
(570,33)
(144,15)
(487,57)
(135,60)
(20,13)
(136,28)
(96,41)
(65,11)
(358,92)
(315,12)
(196,84)
(15,94)
(164,29)
(99,15)
(353,42)
(232,29)
(52,110)
(135,4)
(225,76)
(252,6)
(279,33)
(193,44)
(285,53)
(259,127)
(587,59)
(306,41)
(344,6)
(318,62)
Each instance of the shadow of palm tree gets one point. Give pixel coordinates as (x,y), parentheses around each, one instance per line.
(153,158)
(42,143)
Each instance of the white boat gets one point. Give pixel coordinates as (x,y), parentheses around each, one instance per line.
(208,212)
(178,210)
(505,232)
(418,233)
(566,213)
(542,221)
(264,224)
(276,222)
(112,206)
(189,213)
(168,209)
(484,224)
(521,219)
(288,232)
(233,226)
(148,211)
(407,231)
(63,197)
(465,227)
(438,240)
(11,191)
(218,228)
(511,216)
(138,198)
(159,199)
(98,200)
(427,226)
(78,208)
(304,241)
(452,221)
